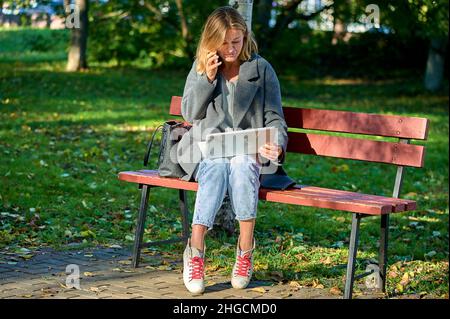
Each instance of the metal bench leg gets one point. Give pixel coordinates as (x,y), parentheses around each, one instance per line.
(382,261)
(353,248)
(184,215)
(140,225)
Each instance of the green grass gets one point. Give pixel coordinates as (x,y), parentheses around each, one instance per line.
(65,136)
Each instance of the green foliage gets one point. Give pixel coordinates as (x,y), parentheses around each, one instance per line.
(149,34)
(369,55)
(416,18)
(33,44)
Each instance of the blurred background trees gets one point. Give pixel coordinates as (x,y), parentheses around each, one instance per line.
(304,38)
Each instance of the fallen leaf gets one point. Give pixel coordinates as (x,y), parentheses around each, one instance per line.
(335,291)
(326,261)
(259,289)
(392,274)
(319,286)
(405,280)
(295,284)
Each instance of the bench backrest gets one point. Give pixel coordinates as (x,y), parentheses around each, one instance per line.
(399,152)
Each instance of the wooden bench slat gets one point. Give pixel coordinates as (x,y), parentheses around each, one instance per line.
(301,195)
(175,106)
(337,203)
(354,198)
(151,177)
(357,123)
(345,122)
(406,203)
(357,149)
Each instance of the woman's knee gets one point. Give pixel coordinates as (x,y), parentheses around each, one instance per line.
(212,169)
(245,165)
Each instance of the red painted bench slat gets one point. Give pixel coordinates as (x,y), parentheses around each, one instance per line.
(357,123)
(300,195)
(355,148)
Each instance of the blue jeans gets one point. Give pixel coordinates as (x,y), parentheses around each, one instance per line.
(239,176)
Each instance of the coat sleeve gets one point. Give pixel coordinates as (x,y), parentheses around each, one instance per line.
(196,95)
(273,111)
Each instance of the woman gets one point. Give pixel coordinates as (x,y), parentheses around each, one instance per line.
(229,87)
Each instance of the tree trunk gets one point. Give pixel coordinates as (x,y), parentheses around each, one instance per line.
(245,8)
(1,12)
(187,37)
(261,27)
(338,31)
(78,21)
(434,72)
(339,27)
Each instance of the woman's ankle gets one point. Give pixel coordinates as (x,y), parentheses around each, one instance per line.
(198,237)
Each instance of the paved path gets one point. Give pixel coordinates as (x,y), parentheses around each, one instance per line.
(107,273)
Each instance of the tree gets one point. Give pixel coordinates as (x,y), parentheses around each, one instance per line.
(274,17)
(78,21)
(425,19)
(438,39)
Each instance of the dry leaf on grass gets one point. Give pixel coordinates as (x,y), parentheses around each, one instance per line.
(405,280)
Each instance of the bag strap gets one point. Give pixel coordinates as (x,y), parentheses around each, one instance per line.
(149,146)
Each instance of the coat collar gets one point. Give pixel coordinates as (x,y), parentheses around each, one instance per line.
(246,88)
(249,69)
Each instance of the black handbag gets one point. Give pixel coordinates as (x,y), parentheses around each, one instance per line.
(172,132)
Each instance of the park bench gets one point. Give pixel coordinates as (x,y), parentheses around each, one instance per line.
(398,152)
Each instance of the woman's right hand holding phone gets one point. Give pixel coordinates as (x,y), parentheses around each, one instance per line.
(212,64)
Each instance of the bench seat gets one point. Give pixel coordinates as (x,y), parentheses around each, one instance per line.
(299,195)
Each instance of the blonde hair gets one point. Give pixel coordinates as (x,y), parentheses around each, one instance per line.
(213,35)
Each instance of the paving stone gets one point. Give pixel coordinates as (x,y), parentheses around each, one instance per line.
(44,276)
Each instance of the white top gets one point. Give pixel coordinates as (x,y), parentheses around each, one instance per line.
(228,92)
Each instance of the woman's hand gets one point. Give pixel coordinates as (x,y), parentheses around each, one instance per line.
(270,151)
(212,63)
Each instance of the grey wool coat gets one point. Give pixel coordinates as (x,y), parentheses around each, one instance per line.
(257,103)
